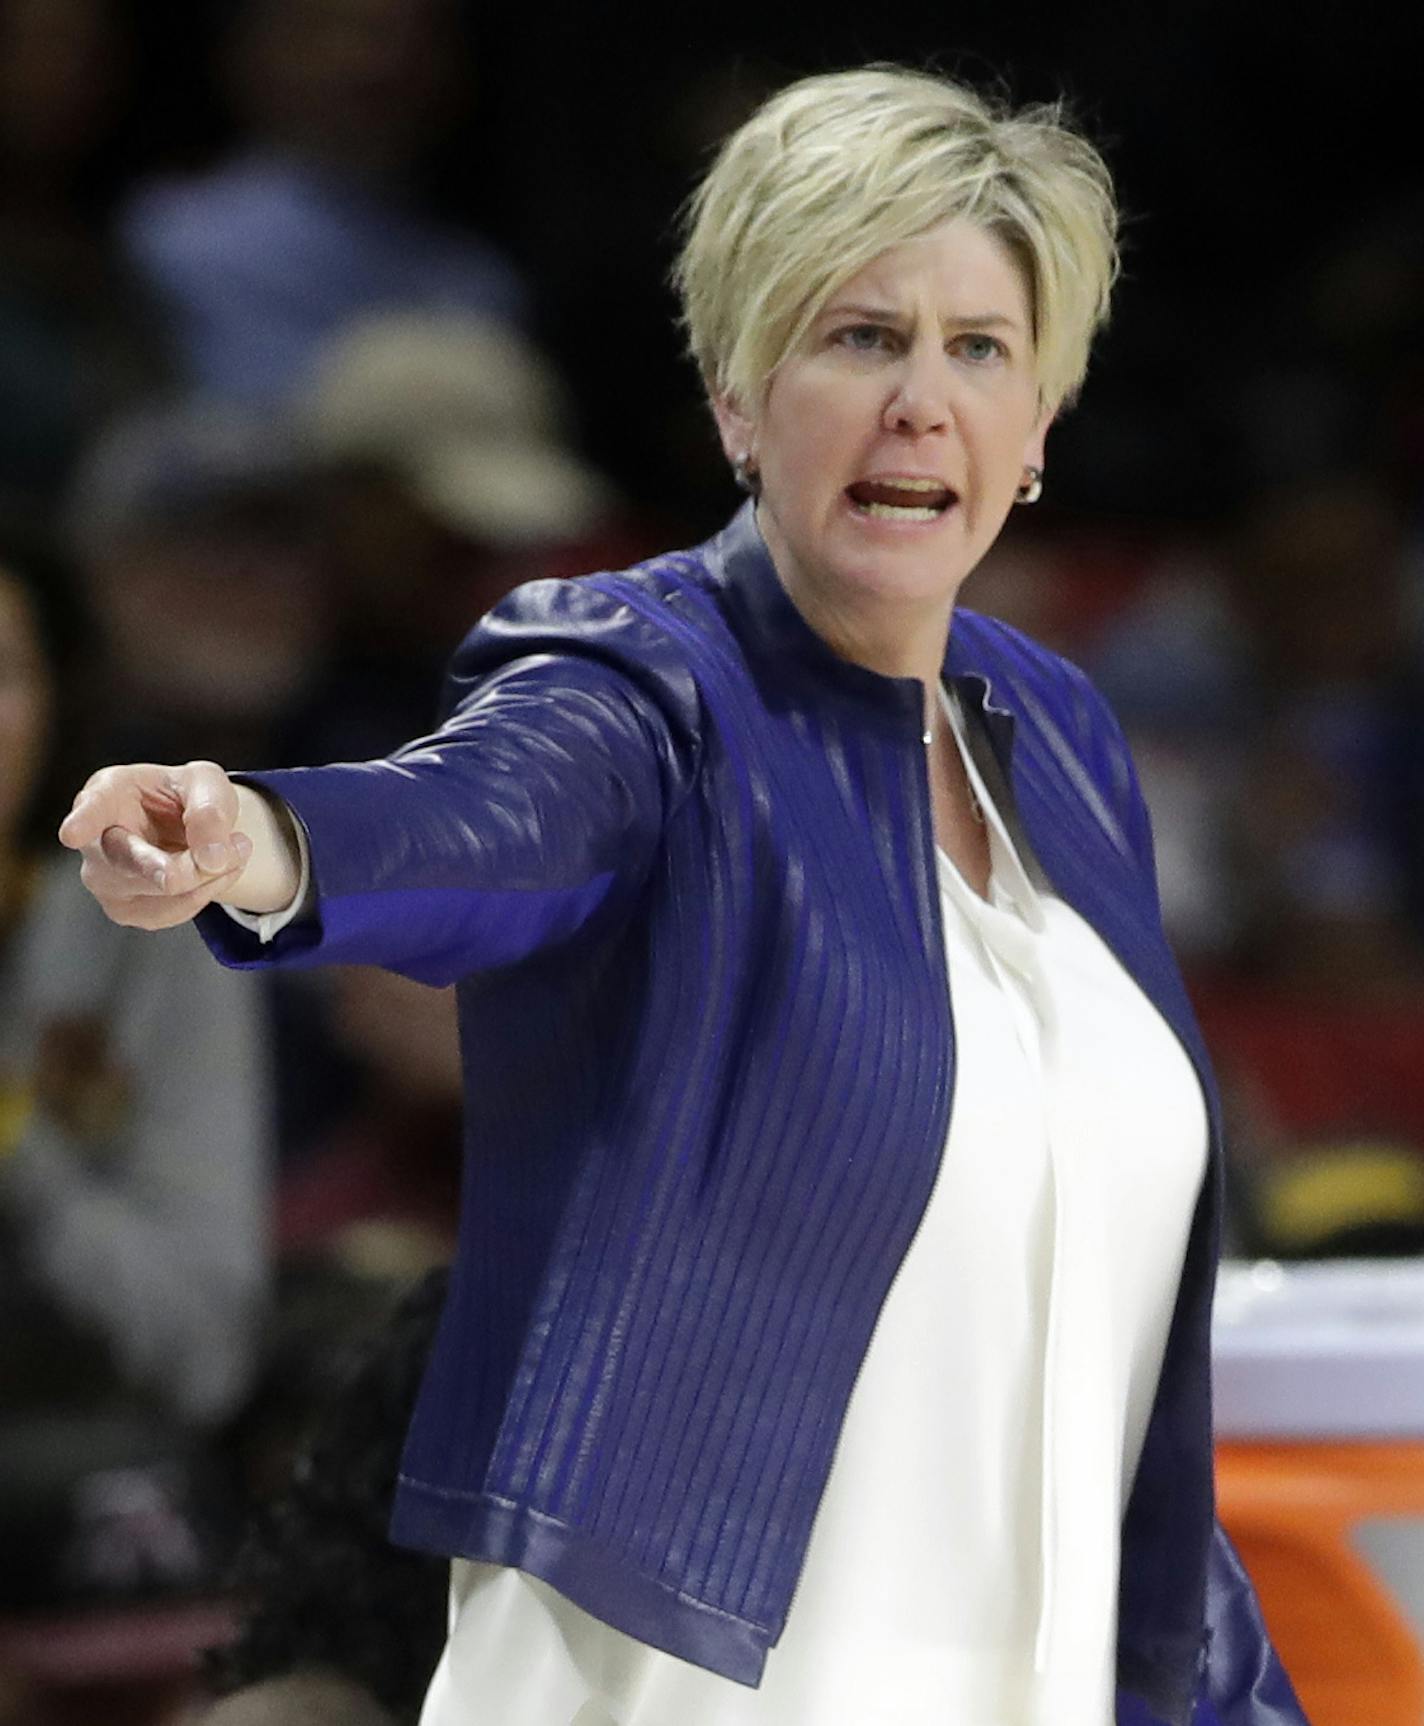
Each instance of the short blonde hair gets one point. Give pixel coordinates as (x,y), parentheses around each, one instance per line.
(835,169)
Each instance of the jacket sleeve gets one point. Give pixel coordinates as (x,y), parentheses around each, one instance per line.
(537,805)
(1244,1683)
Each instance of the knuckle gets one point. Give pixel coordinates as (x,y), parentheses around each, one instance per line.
(208,784)
(107,782)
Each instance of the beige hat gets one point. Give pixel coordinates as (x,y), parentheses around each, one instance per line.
(465,412)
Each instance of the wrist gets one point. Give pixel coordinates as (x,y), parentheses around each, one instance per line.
(272,876)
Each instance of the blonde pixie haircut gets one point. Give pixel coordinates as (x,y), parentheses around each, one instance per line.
(835,169)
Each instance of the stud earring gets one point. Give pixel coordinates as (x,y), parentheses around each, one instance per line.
(1031,488)
(745,473)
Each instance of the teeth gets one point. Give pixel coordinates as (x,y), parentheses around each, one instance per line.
(914,484)
(899,512)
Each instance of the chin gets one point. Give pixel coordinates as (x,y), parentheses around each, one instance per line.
(923,562)
(916,583)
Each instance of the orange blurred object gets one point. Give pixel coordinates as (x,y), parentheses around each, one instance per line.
(1292,1510)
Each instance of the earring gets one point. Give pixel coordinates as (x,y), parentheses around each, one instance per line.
(745,473)
(1032,487)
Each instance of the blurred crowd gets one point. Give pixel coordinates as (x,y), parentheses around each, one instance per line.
(276,425)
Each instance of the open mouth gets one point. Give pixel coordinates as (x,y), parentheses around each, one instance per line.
(901,499)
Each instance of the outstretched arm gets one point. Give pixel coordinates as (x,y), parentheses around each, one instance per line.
(160,844)
(571,732)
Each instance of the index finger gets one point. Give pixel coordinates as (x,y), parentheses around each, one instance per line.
(112,797)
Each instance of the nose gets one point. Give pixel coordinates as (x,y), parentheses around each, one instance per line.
(920,400)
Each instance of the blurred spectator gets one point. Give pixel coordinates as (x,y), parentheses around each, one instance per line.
(366,1199)
(277,586)
(467,415)
(193,529)
(315,218)
(196,532)
(1341,1200)
(340,1622)
(73,342)
(1342,380)
(445,479)
(301,1699)
(1148,614)
(134,1171)
(1273,696)
(1321,582)
(1317,1021)
(1176,662)
(382,1185)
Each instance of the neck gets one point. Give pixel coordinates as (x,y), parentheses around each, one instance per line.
(892,637)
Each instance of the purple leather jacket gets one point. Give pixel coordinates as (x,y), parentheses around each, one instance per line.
(678,857)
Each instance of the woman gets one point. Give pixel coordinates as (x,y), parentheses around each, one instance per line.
(702,843)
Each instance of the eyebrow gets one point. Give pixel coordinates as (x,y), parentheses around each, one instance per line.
(885,315)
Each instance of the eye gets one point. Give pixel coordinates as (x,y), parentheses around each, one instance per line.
(865,338)
(980,349)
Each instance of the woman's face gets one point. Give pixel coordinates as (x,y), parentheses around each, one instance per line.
(892,440)
(24,706)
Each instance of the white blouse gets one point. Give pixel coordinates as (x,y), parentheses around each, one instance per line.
(963,1566)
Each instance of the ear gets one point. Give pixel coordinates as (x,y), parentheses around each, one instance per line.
(736,430)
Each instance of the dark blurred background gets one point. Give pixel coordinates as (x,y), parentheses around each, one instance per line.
(323,323)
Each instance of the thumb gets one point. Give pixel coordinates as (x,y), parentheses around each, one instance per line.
(209,816)
(214,856)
